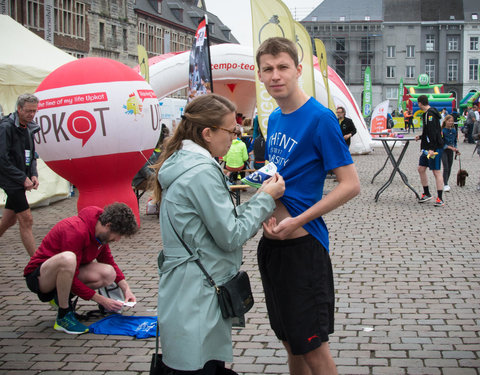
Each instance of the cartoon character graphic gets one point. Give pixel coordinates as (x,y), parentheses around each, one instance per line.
(133,106)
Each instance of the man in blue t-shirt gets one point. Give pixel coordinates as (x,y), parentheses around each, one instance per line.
(305,142)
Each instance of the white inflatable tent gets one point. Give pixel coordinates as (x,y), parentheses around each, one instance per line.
(233,72)
(26,59)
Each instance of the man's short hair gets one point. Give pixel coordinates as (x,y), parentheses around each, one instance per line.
(343,109)
(423,99)
(26,98)
(276,45)
(121,219)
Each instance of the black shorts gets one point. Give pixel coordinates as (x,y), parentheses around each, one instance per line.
(16,200)
(297,279)
(32,283)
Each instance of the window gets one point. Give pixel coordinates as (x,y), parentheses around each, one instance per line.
(410,71)
(340,44)
(33,13)
(390,72)
(340,68)
(101,33)
(410,51)
(473,69)
(392,93)
(452,70)
(114,36)
(125,39)
(141,33)
(474,43)
(365,45)
(452,43)
(70,18)
(430,42)
(159,40)
(390,51)
(174,41)
(430,69)
(150,36)
(474,16)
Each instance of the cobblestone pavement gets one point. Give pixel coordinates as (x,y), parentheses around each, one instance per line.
(407,279)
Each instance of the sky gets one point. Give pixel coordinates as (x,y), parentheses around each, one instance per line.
(237,14)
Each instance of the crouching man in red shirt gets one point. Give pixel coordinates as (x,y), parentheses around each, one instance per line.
(74,257)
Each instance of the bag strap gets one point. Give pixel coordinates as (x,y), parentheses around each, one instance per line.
(199,264)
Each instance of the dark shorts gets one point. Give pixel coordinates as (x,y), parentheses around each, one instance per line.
(434,164)
(32,283)
(16,200)
(297,279)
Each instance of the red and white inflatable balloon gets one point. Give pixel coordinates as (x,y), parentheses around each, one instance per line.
(99,121)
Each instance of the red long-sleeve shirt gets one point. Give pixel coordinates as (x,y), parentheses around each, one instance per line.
(75,234)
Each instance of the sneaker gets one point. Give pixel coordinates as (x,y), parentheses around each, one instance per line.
(424,198)
(439,203)
(446,188)
(70,324)
(54,303)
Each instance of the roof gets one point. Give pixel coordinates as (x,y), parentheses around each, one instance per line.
(186,15)
(358,10)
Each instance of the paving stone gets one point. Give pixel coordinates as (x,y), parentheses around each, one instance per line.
(415,281)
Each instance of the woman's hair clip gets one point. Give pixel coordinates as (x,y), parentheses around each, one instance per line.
(183,117)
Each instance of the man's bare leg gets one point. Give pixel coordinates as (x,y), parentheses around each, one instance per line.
(25,221)
(57,272)
(316,362)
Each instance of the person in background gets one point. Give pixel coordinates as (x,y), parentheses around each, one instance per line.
(195,338)
(431,149)
(408,117)
(346,125)
(75,257)
(456,117)
(18,167)
(293,256)
(449,135)
(469,122)
(236,157)
(476,137)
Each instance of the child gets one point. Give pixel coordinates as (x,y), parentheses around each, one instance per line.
(449,135)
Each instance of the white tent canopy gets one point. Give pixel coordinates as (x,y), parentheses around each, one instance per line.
(26,59)
(234,77)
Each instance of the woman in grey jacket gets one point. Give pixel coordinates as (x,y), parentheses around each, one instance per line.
(195,201)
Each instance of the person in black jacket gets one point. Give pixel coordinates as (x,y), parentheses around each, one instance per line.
(346,125)
(18,167)
(431,150)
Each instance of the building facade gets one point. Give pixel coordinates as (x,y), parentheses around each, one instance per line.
(399,39)
(113,28)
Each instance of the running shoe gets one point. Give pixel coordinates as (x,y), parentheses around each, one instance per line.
(446,188)
(424,198)
(439,203)
(70,325)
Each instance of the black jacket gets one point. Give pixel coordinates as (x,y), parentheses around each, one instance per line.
(13,170)
(432,131)
(348,127)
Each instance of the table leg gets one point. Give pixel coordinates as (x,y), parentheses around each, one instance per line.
(390,179)
(384,164)
(396,168)
(402,175)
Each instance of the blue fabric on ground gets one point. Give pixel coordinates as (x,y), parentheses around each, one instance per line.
(141,327)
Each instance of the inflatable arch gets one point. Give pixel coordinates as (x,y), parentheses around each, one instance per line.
(233,72)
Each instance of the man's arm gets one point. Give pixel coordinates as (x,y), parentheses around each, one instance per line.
(347,188)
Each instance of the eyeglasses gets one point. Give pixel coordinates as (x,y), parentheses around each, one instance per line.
(227,130)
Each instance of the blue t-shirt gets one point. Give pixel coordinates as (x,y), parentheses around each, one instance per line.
(305,145)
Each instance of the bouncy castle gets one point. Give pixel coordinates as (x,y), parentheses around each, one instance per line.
(436,97)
